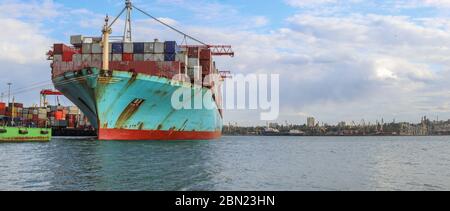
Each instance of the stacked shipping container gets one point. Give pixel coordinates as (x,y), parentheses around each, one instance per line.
(52,116)
(164,59)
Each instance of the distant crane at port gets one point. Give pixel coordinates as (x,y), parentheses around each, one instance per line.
(48,92)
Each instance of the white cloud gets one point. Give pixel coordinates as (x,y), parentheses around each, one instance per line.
(437,3)
(22,43)
(259,21)
(306,3)
(35,10)
(341,68)
(23,46)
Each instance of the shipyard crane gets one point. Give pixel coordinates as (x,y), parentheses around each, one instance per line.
(48,92)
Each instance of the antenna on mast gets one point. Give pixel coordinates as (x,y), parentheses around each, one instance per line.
(127,30)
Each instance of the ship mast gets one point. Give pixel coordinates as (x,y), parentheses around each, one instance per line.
(105,44)
(127,30)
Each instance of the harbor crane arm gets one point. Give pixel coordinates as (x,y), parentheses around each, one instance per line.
(48,92)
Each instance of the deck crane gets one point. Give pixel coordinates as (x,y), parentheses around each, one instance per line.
(217,50)
(48,92)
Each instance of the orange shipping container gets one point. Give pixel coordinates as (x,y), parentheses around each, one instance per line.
(2,108)
(59,115)
(127,57)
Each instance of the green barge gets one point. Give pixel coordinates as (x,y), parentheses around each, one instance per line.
(22,134)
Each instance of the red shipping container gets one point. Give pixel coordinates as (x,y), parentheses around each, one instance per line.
(128,57)
(58,48)
(2,108)
(144,67)
(193,52)
(205,54)
(165,69)
(206,66)
(71,119)
(67,56)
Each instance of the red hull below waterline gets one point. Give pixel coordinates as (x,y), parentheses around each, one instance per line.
(156,135)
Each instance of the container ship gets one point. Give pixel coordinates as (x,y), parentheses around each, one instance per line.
(125,88)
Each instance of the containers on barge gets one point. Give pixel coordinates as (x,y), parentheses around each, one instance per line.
(51,116)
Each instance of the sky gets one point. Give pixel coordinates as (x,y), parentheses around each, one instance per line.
(338,60)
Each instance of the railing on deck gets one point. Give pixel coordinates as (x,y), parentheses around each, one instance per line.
(154,68)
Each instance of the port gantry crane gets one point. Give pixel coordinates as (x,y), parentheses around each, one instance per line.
(48,92)
(216,50)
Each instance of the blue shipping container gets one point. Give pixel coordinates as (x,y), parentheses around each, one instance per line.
(169,57)
(117,48)
(170,47)
(138,47)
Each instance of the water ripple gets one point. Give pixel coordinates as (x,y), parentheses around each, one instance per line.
(233,163)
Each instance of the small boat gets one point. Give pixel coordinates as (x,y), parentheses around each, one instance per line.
(21,134)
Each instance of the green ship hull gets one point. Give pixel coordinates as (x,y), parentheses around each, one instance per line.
(20,134)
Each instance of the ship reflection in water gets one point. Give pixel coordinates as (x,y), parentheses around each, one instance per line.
(232,163)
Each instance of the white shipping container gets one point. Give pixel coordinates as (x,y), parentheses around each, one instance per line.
(117,57)
(128,47)
(148,57)
(87,58)
(138,57)
(193,62)
(183,50)
(86,48)
(181,58)
(96,40)
(158,47)
(73,112)
(76,58)
(193,72)
(72,108)
(57,58)
(76,39)
(154,57)
(158,57)
(149,47)
(97,57)
(97,48)
(87,40)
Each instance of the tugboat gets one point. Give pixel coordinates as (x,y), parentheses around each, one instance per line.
(13,133)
